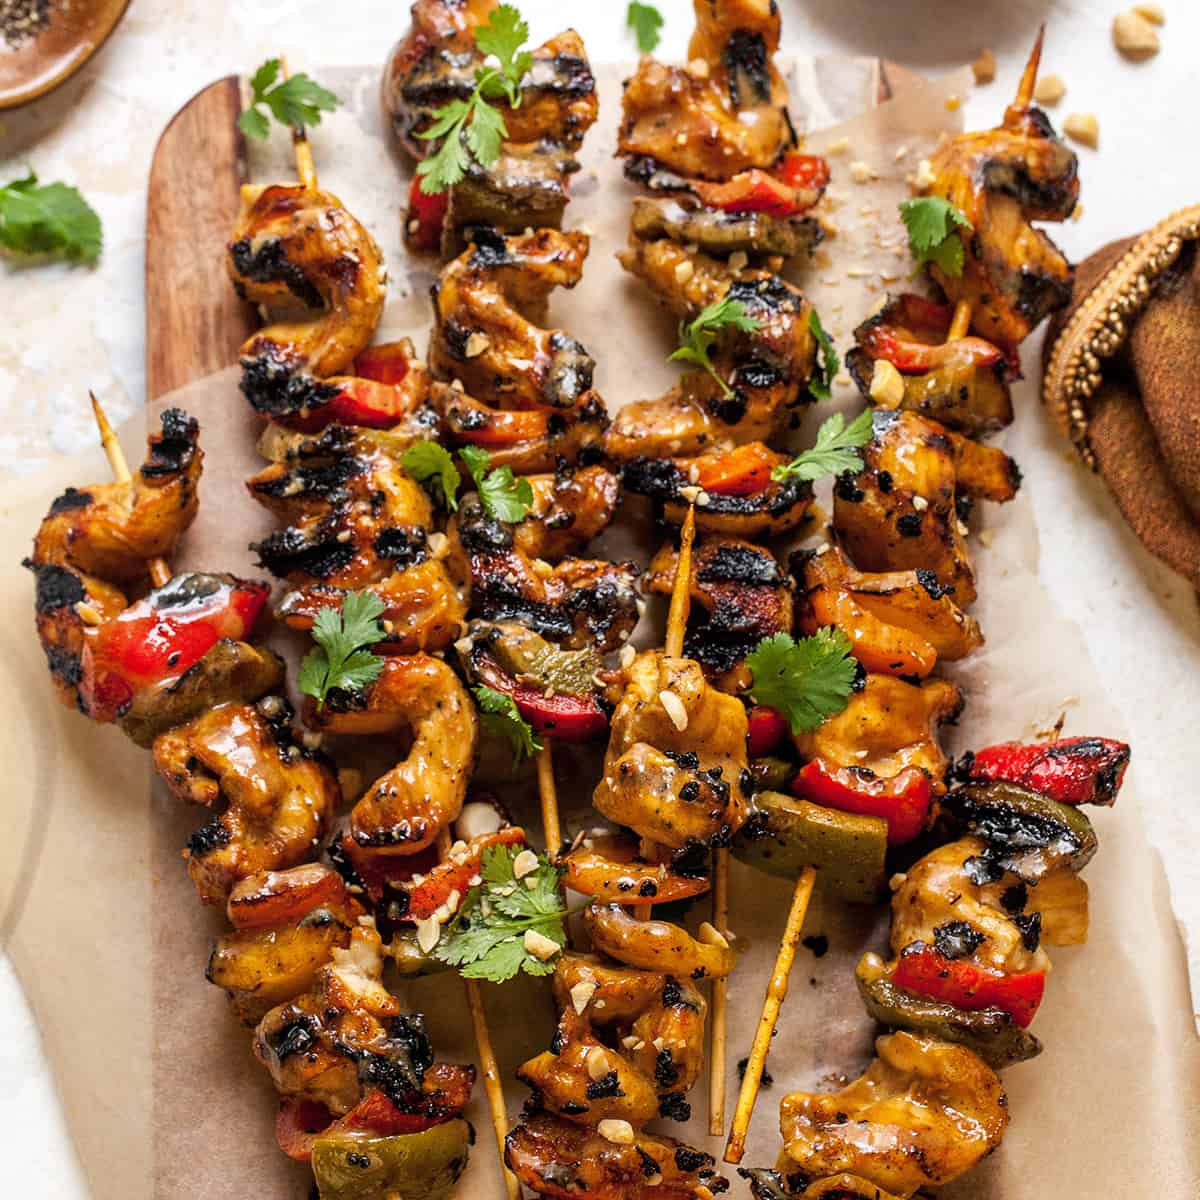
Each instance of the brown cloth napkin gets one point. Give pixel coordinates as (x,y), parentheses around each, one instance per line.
(1139,423)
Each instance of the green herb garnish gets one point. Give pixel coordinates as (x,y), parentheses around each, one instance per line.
(645,20)
(499,715)
(933,225)
(806,680)
(341,658)
(433,465)
(833,451)
(504,496)
(820,386)
(50,218)
(696,338)
(297,102)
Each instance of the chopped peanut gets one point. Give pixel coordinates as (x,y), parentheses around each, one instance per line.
(984,67)
(1049,89)
(1134,36)
(887,387)
(1083,128)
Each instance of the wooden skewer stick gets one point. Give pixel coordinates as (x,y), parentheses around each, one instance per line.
(487,1056)
(961,322)
(1018,108)
(305,168)
(720,1001)
(548,795)
(681,589)
(777,990)
(160,572)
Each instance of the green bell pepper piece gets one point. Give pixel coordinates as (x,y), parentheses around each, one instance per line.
(410,1166)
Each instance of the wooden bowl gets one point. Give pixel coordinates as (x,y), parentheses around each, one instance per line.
(77,29)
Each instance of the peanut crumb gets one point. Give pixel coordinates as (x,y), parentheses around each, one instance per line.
(1049,89)
(1153,13)
(1134,36)
(887,387)
(838,146)
(984,67)
(1083,128)
(953,103)
(539,945)
(860,172)
(620,1133)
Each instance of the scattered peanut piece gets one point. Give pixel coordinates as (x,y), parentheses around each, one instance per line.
(1152,12)
(1083,128)
(1134,36)
(984,67)
(887,387)
(840,146)
(1049,89)
(860,172)
(953,103)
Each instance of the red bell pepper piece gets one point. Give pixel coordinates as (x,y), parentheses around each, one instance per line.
(793,188)
(743,471)
(903,801)
(300,1122)
(504,428)
(1079,770)
(423,222)
(436,888)
(567,717)
(809,171)
(375,871)
(157,639)
(765,729)
(389,362)
(921,969)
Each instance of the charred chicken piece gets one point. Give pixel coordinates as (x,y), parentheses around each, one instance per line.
(486,303)
(924,1112)
(562,1159)
(570,507)
(286,925)
(894,722)
(358,522)
(278,797)
(726,111)
(1002,180)
(527,440)
(902,511)
(609,867)
(292,249)
(675,770)
(403,811)
(961,384)
(578,603)
(898,622)
(769,510)
(744,597)
(347,1036)
(113,530)
(655,945)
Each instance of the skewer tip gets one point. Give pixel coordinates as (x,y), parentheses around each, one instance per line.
(1024,98)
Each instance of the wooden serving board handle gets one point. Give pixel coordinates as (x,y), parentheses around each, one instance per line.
(194,321)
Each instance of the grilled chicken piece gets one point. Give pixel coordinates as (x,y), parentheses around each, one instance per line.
(771,510)
(895,723)
(278,797)
(767,371)
(923,1113)
(286,925)
(713,120)
(656,1018)
(558,1158)
(485,304)
(527,440)
(940,894)
(744,596)
(654,945)
(580,602)
(569,508)
(678,774)
(961,384)
(113,530)
(901,512)
(347,1035)
(296,248)
(436,61)
(358,522)
(898,622)
(785,1184)
(1002,180)
(404,810)
(722,233)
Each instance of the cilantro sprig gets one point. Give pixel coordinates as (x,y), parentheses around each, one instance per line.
(820,386)
(433,465)
(341,658)
(806,680)
(51,218)
(933,225)
(297,102)
(833,451)
(645,20)
(696,338)
(474,128)
(499,715)
(486,938)
(504,496)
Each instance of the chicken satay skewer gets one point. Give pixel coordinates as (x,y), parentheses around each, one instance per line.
(159,570)
(305,168)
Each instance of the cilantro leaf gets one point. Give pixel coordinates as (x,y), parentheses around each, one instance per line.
(486,938)
(806,680)
(696,338)
(50,218)
(473,128)
(341,658)
(433,465)
(645,20)
(297,101)
(933,225)
(504,496)
(833,451)
(499,716)
(821,384)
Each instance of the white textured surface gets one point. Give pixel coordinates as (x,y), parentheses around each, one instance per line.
(65,330)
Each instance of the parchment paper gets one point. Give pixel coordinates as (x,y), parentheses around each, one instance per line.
(161,1093)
